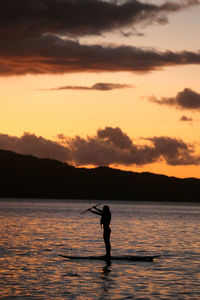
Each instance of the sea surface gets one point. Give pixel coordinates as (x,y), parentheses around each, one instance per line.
(34,232)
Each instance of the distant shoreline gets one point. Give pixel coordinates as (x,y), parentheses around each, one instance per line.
(29,177)
(97,200)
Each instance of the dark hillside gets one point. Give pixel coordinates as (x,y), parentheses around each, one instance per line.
(31,177)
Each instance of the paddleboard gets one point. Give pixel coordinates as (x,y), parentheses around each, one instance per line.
(124,257)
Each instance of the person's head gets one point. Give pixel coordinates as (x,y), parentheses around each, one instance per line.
(106,209)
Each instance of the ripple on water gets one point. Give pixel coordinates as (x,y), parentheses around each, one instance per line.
(34,233)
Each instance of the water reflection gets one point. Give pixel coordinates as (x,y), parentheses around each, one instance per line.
(107,282)
(107,269)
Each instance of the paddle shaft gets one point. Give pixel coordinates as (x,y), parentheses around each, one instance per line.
(90,208)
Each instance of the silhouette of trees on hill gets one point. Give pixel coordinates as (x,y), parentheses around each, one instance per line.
(26,176)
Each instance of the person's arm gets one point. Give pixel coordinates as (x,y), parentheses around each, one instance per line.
(99,210)
(95,212)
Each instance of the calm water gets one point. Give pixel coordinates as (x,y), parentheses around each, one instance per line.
(34,233)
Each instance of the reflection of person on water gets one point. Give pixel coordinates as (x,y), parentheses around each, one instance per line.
(105,221)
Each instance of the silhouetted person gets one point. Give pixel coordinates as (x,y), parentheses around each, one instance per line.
(105,221)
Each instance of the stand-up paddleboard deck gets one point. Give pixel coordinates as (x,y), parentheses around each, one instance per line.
(124,257)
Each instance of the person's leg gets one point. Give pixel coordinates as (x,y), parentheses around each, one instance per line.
(107,232)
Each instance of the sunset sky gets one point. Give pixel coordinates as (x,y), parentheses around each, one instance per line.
(95,82)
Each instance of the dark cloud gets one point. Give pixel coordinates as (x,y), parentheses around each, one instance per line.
(104,150)
(186,119)
(40,36)
(175,151)
(116,136)
(101,86)
(187,99)
(51,55)
(110,146)
(25,18)
(31,144)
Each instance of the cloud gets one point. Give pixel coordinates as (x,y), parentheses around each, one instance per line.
(175,151)
(29,18)
(186,119)
(104,150)
(52,55)
(31,144)
(187,99)
(110,146)
(40,36)
(101,86)
(116,136)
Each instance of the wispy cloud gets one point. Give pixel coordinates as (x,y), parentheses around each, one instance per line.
(187,99)
(186,119)
(110,146)
(101,86)
(51,55)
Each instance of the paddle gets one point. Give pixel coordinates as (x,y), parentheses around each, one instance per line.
(90,208)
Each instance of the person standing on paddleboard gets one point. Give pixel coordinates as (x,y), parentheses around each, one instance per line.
(105,221)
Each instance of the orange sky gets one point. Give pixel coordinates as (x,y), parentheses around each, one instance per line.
(78,109)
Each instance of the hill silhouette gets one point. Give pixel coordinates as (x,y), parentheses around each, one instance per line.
(26,176)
